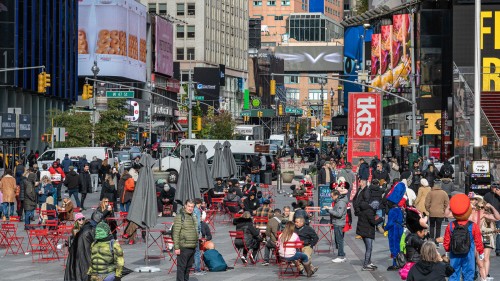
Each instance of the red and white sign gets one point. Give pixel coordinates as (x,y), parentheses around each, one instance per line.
(435,152)
(364,128)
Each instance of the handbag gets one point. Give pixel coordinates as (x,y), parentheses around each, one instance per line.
(255,169)
(403,272)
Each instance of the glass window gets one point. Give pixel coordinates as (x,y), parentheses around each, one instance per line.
(292,94)
(278,17)
(163,8)
(271,3)
(291,79)
(285,3)
(191,9)
(314,80)
(180,31)
(180,9)
(190,31)
(180,53)
(316,94)
(152,7)
(48,155)
(190,54)
(257,3)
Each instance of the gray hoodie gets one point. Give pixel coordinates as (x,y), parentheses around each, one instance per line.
(447,185)
(338,213)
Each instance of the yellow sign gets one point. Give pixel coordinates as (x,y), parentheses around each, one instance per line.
(432,123)
(403,140)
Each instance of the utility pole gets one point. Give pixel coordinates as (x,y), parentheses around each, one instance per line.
(413,87)
(321,113)
(190,107)
(477,81)
(95,69)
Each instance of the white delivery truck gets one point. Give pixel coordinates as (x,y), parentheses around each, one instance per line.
(249,132)
(74,153)
(172,163)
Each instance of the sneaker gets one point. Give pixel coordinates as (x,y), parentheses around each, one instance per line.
(367,268)
(200,273)
(265,263)
(244,260)
(392,268)
(250,256)
(314,269)
(372,266)
(174,214)
(339,260)
(160,214)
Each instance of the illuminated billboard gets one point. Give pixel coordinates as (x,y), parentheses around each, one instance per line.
(164,62)
(311,58)
(113,33)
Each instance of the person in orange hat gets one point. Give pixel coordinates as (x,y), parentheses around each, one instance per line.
(462,239)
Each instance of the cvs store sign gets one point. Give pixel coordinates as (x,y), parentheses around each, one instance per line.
(364,127)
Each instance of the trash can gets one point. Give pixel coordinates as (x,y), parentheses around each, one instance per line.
(268,178)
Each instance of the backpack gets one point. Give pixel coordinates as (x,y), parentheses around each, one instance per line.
(460,238)
(447,172)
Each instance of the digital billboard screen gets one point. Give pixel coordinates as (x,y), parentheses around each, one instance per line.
(113,33)
(311,58)
(164,62)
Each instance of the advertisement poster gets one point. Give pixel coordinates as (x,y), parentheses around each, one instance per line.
(117,43)
(432,123)
(382,69)
(375,51)
(435,152)
(401,57)
(364,127)
(164,62)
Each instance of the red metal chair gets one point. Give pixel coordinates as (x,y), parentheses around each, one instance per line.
(41,246)
(238,235)
(15,219)
(260,222)
(14,243)
(218,206)
(227,208)
(289,269)
(314,211)
(169,248)
(210,219)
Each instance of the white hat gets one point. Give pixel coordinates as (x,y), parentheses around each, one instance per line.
(424,182)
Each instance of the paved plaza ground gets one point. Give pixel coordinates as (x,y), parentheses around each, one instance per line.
(20,267)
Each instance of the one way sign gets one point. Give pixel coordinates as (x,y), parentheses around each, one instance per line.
(417,117)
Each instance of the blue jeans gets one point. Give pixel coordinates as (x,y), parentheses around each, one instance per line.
(339,240)
(256,178)
(298,256)
(124,207)
(74,192)
(197,258)
(8,209)
(497,239)
(27,216)
(368,251)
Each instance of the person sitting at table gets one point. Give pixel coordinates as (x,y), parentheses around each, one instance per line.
(251,234)
(233,197)
(167,196)
(251,203)
(213,259)
(299,211)
(219,186)
(237,187)
(66,211)
(48,206)
(301,259)
(249,187)
(308,236)
(272,228)
(263,211)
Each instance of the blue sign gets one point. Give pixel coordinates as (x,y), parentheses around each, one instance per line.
(324,199)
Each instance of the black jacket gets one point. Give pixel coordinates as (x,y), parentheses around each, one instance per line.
(94,167)
(252,234)
(363,195)
(247,167)
(413,246)
(71,181)
(205,231)
(381,175)
(366,221)
(430,271)
(364,171)
(30,196)
(251,205)
(108,191)
(430,176)
(307,235)
(375,193)
(322,176)
(84,183)
(78,262)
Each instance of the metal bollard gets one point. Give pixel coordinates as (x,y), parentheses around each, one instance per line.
(279,184)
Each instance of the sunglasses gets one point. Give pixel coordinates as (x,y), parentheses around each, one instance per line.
(80,219)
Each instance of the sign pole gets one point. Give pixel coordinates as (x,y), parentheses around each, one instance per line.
(477,81)
(413,87)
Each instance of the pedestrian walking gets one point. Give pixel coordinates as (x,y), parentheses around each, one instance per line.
(57,177)
(84,184)
(185,236)
(366,230)
(94,173)
(71,182)
(436,204)
(29,199)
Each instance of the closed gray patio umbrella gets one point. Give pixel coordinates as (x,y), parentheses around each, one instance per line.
(187,186)
(219,166)
(230,162)
(201,167)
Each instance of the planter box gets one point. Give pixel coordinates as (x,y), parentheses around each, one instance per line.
(287,177)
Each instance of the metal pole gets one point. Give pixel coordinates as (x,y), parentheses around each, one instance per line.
(321,118)
(53,133)
(21,68)
(95,70)
(363,57)
(190,108)
(413,88)
(477,81)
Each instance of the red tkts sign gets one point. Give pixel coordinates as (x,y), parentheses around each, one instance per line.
(364,127)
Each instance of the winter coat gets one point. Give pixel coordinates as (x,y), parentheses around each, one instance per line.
(8,188)
(436,202)
(84,183)
(446,170)
(214,260)
(233,198)
(381,175)
(364,171)
(247,167)
(363,195)
(251,205)
(394,171)
(55,171)
(79,257)
(322,176)
(348,175)
(307,235)
(30,195)
(108,191)
(71,181)
(430,176)
(205,231)
(65,164)
(185,231)
(103,261)
(94,167)
(272,228)
(48,190)
(125,196)
(376,192)
(251,234)
(421,196)
(21,188)
(366,221)
(447,185)
(338,213)
(81,163)
(413,246)
(430,271)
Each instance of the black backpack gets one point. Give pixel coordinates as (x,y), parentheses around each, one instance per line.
(460,238)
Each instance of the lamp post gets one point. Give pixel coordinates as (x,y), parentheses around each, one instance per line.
(95,70)
(151,86)
(363,63)
(322,81)
(477,80)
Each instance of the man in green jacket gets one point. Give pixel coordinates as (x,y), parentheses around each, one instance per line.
(106,256)
(185,236)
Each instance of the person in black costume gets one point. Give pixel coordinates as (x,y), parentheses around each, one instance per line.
(78,262)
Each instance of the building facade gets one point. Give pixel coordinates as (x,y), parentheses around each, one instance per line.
(333,9)
(36,33)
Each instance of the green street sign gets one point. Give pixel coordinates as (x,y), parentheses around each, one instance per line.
(120,94)
(246,113)
(199,98)
(294,110)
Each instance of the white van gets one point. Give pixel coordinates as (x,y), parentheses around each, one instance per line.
(74,153)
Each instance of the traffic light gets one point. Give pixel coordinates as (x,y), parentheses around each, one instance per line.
(309,112)
(297,126)
(326,109)
(259,114)
(287,127)
(88,91)
(41,83)
(280,109)
(198,123)
(47,80)
(273,87)
(246,118)
(144,134)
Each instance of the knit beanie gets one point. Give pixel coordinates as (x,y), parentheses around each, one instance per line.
(102,231)
(460,207)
